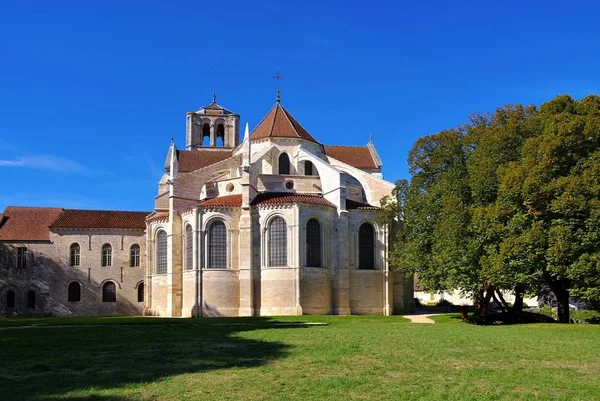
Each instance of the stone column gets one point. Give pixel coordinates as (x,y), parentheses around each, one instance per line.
(195,265)
(148,268)
(244,254)
(213,139)
(174,266)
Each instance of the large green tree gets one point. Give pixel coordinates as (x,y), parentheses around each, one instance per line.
(507,201)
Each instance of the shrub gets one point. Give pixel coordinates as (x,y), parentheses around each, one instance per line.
(444,302)
(418,302)
(430,303)
(584,316)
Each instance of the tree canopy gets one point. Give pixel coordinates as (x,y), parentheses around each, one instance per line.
(509,200)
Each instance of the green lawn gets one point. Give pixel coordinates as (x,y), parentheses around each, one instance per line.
(349,358)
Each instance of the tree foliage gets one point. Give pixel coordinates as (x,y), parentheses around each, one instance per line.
(510,200)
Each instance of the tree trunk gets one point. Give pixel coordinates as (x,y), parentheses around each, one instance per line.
(518,305)
(506,308)
(562,298)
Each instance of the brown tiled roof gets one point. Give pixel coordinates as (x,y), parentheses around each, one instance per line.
(157,216)
(279,198)
(279,123)
(192,160)
(354,205)
(74,218)
(27,223)
(223,201)
(356,156)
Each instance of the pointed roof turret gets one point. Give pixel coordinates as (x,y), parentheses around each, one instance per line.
(279,123)
(214,108)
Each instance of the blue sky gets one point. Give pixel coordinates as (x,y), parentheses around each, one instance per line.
(91,92)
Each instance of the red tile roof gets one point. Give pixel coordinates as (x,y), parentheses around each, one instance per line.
(192,160)
(279,123)
(157,216)
(279,198)
(27,223)
(356,156)
(223,201)
(74,218)
(354,205)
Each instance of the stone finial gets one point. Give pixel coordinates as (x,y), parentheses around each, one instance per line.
(246,132)
(214,97)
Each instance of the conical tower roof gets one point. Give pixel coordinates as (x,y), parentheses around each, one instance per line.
(279,123)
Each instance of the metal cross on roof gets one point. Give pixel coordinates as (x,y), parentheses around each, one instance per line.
(278,77)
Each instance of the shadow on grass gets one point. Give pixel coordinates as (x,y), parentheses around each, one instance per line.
(44,364)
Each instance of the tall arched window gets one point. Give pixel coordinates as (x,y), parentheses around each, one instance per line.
(31,299)
(206,134)
(161,252)
(109,292)
(189,247)
(106,255)
(284,164)
(10,300)
(134,255)
(313,243)
(278,242)
(75,255)
(74,292)
(366,247)
(220,136)
(217,245)
(308,168)
(140,292)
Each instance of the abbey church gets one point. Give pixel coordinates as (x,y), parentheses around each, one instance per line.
(270,222)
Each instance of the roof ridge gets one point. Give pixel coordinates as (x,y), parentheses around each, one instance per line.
(33,207)
(289,116)
(263,119)
(285,113)
(107,210)
(348,146)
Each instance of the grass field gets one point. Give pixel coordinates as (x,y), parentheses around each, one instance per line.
(349,358)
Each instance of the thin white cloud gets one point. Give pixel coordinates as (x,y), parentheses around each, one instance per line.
(7,146)
(45,162)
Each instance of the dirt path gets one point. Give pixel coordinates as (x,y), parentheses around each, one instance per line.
(421,318)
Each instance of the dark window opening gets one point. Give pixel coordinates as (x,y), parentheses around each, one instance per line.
(106,255)
(10,300)
(284,164)
(366,247)
(140,292)
(189,246)
(313,243)
(109,292)
(308,168)
(21,258)
(74,292)
(134,256)
(31,299)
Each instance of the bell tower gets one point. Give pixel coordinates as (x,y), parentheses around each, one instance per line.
(212,126)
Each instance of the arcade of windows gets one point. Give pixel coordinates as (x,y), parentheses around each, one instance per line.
(276,246)
(106,255)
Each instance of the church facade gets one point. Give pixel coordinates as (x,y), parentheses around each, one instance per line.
(273,223)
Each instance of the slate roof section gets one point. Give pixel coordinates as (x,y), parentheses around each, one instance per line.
(223,201)
(21,223)
(77,218)
(192,160)
(281,198)
(356,156)
(354,205)
(279,123)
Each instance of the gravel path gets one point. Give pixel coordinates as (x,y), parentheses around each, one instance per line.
(421,318)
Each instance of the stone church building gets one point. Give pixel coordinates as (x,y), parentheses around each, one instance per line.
(274,223)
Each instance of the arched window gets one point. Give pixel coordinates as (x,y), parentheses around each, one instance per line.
(217,245)
(134,255)
(206,134)
(10,300)
(313,243)
(109,292)
(220,137)
(31,299)
(284,164)
(106,255)
(75,255)
(366,247)
(161,252)
(308,168)
(140,291)
(278,242)
(189,247)
(74,292)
